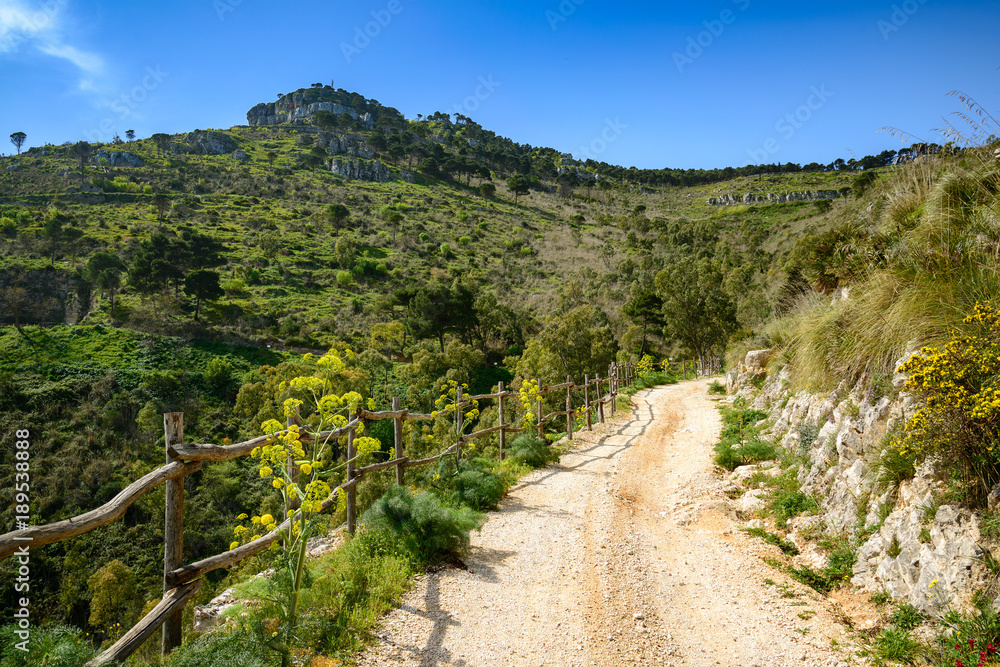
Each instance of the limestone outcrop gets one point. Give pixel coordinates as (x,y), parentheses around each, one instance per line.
(298,107)
(361,170)
(922,550)
(750,198)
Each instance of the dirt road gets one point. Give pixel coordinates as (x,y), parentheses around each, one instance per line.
(626,552)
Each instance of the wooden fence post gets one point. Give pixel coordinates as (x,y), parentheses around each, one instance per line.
(569,407)
(541,431)
(352,496)
(586,400)
(613,386)
(397,433)
(173,528)
(503,431)
(600,401)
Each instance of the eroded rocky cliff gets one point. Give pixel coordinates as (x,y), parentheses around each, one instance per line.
(919,547)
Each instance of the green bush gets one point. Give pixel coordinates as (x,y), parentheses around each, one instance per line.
(787,504)
(222,649)
(58,646)
(478,489)
(531,451)
(896,644)
(906,617)
(427,529)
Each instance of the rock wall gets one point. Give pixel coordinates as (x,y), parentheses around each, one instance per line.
(748,198)
(42,296)
(297,107)
(361,170)
(925,552)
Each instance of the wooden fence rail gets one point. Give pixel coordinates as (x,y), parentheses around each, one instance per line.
(182,582)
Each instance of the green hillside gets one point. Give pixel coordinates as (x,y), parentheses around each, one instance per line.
(432,248)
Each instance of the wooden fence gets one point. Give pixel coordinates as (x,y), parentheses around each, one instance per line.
(182,582)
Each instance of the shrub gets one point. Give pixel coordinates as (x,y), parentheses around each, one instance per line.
(959,422)
(895,465)
(470,485)
(716,388)
(59,646)
(344,278)
(787,504)
(739,444)
(897,645)
(424,527)
(221,649)
(906,617)
(531,451)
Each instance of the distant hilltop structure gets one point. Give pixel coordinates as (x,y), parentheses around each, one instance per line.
(300,106)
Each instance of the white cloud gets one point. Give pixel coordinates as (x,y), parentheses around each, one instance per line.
(18,23)
(88,62)
(40,26)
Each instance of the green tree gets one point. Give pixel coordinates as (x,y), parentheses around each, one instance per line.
(696,310)
(199,251)
(114,598)
(435,310)
(343,250)
(105,271)
(162,204)
(18,139)
(52,229)
(577,342)
(645,309)
(83,151)
(487,190)
(203,285)
(337,213)
(518,184)
(161,140)
(71,237)
(130,135)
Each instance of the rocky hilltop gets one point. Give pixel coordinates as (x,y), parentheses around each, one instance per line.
(299,106)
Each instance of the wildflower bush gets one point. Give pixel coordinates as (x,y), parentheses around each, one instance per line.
(300,462)
(959,421)
(528,395)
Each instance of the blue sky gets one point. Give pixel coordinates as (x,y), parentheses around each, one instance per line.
(664,84)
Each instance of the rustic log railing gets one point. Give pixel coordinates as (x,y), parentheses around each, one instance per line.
(182,582)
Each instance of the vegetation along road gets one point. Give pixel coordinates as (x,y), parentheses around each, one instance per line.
(624,552)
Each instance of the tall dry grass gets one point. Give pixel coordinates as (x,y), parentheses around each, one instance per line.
(941,217)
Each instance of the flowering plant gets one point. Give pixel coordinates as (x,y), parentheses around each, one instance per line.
(959,420)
